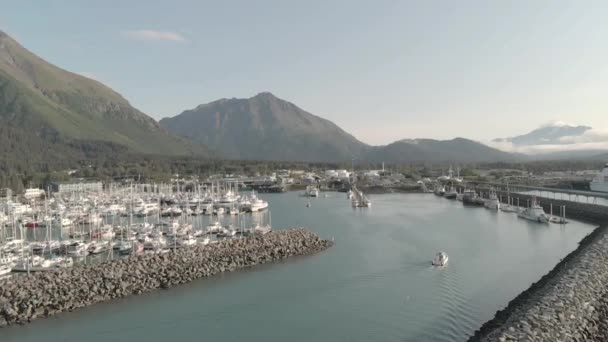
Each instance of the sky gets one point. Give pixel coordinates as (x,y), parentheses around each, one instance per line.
(382,70)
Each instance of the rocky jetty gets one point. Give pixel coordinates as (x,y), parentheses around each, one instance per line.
(23,299)
(568,304)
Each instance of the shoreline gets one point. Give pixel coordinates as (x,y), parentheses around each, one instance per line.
(41,295)
(500,327)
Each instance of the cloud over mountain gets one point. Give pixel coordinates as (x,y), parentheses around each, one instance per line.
(153,35)
(556,136)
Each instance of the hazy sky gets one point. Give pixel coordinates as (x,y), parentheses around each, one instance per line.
(382,70)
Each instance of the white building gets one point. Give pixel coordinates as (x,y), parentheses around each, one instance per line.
(33,193)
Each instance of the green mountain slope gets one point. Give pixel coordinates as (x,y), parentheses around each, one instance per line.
(264,127)
(44,100)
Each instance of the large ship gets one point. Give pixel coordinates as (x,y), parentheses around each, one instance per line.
(600,183)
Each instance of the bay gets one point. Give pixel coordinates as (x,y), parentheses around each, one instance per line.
(375,284)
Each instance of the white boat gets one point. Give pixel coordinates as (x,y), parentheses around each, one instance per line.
(58,262)
(507,208)
(441,259)
(5,269)
(29,263)
(257,204)
(63,222)
(186,241)
(226,232)
(214,228)
(492,202)
(98,247)
(600,183)
(262,229)
(311,191)
(78,249)
(534,213)
(219,211)
(155,243)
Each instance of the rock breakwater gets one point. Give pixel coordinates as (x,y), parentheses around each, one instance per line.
(570,303)
(23,299)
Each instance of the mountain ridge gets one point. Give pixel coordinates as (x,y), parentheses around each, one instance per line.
(209,123)
(47,100)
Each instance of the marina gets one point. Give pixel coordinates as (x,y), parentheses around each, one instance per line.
(91,227)
(376,283)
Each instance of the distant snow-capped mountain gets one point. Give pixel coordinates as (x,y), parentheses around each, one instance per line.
(557,133)
(557,140)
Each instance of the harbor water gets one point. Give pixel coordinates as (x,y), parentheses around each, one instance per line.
(375,284)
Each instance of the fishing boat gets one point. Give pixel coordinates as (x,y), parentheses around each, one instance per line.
(534,213)
(257,204)
(492,202)
(441,259)
(451,193)
(439,190)
(470,198)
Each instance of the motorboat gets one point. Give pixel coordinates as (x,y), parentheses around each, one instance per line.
(214,228)
(78,249)
(257,204)
(600,183)
(470,197)
(451,193)
(441,259)
(98,247)
(534,213)
(226,232)
(492,202)
(311,191)
(185,241)
(262,229)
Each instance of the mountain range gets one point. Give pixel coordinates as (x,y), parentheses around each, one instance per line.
(265,127)
(48,114)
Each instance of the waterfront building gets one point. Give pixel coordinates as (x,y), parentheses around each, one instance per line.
(76,186)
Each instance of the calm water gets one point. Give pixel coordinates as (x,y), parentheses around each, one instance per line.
(375,284)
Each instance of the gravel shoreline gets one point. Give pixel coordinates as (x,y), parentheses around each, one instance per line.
(23,299)
(570,303)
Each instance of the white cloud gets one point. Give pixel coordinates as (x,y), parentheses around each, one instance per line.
(153,35)
(556,123)
(590,140)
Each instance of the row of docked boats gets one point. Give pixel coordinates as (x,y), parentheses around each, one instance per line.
(55,232)
(534,212)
